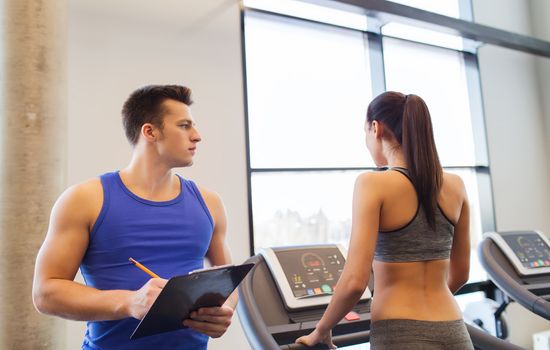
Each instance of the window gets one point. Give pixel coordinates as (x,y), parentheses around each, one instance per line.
(309,78)
(307,86)
(302,207)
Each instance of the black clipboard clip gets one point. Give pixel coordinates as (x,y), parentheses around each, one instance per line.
(184,294)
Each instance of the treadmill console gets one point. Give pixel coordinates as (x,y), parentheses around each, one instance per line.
(528,251)
(306,275)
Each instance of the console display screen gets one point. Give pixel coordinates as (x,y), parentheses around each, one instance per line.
(311,272)
(530,249)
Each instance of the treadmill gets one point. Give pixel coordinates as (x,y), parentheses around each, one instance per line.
(518,263)
(286,293)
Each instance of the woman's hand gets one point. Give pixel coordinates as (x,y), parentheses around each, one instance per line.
(315,338)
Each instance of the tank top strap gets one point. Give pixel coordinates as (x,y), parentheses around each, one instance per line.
(404,172)
(107,182)
(192,189)
(401,170)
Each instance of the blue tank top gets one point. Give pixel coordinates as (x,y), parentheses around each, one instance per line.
(171,238)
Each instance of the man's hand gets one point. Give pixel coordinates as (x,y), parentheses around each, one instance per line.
(212,321)
(140,301)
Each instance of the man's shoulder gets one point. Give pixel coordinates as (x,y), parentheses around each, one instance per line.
(213,202)
(80,201)
(85,190)
(209,196)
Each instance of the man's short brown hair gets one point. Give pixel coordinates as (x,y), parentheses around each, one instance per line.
(145,106)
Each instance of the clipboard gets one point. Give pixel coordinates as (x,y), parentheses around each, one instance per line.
(183,294)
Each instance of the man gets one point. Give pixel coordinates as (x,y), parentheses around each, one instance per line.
(146,212)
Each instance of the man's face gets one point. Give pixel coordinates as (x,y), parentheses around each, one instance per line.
(179,136)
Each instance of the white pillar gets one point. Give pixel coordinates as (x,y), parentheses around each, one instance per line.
(540,12)
(32,159)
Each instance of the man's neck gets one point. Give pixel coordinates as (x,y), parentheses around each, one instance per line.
(149,179)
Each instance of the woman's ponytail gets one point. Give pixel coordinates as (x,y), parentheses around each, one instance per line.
(421,154)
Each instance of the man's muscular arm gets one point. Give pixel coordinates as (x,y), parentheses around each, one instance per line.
(54,290)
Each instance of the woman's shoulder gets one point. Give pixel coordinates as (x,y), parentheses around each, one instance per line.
(453,184)
(453,180)
(381,181)
(369,177)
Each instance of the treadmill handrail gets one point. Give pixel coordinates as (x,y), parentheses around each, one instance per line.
(483,342)
(253,322)
(338,340)
(508,285)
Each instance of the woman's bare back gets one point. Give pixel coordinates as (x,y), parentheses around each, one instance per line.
(418,289)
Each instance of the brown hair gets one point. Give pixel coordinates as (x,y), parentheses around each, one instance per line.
(145,106)
(409,121)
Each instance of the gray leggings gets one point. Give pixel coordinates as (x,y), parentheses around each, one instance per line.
(419,335)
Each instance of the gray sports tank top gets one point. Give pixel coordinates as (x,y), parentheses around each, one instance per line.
(416,241)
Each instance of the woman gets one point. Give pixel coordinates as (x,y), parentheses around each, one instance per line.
(413,221)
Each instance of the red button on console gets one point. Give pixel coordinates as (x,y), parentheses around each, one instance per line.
(352,316)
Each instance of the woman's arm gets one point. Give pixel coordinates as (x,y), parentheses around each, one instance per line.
(460,253)
(367,203)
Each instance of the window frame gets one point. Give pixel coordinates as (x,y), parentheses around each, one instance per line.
(373,41)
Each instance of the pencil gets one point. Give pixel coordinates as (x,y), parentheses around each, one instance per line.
(144,269)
